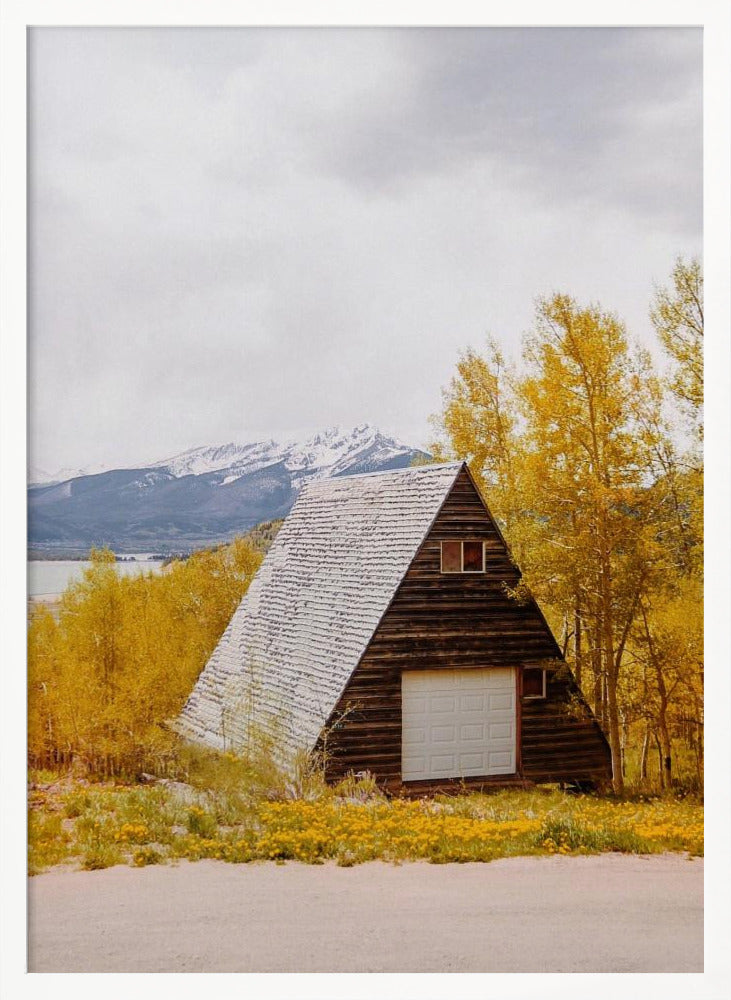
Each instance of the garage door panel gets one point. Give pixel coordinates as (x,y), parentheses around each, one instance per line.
(502,761)
(500,700)
(496,741)
(414,736)
(498,731)
(472,703)
(472,731)
(437,721)
(443,734)
(417,705)
(442,703)
(469,762)
(458,723)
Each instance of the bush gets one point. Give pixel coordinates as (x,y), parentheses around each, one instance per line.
(101,856)
(359,788)
(564,835)
(147,856)
(48,842)
(201,823)
(154,808)
(76,803)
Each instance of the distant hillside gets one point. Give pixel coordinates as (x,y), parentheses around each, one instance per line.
(203,496)
(262,536)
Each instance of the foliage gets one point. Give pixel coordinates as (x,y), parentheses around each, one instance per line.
(101,856)
(228,784)
(578,457)
(200,823)
(49,842)
(677,315)
(123,655)
(355,823)
(262,536)
(147,856)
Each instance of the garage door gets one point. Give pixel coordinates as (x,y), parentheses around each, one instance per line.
(458,723)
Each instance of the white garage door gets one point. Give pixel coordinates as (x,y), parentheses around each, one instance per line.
(458,723)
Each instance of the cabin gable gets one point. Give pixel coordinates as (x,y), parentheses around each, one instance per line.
(465,629)
(382,629)
(312,608)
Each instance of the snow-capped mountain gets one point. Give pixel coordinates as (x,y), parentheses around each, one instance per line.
(203,495)
(332,452)
(39,477)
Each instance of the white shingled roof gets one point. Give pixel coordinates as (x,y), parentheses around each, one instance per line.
(312,608)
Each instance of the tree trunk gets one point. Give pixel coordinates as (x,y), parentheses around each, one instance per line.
(666,745)
(643,755)
(699,757)
(614,734)
(566,637)
(661,769)
(624,739)
(596,663)
(665,742)
(610,668)
(577,642)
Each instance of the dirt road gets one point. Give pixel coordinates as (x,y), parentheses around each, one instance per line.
(609,913)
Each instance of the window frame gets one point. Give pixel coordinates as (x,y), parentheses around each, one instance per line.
(461,543)
(544,673)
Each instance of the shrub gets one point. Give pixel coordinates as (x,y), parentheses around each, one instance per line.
(76,803)
(154,808)
(200,823)
(360,788)
(147,856)
(48,842)
(563,834)
(101,856)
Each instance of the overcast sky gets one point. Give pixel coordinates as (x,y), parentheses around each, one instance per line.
(238,234)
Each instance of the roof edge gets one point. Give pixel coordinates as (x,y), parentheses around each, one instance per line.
(412,469)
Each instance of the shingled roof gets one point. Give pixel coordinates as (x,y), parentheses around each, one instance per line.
(312,608)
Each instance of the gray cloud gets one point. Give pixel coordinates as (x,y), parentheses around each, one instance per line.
(567,112)
(244,232)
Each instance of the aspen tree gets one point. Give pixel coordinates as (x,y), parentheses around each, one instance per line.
(123,656)
(586,462)
(579,460)
(677,315)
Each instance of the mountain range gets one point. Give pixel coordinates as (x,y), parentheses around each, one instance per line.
(202,496)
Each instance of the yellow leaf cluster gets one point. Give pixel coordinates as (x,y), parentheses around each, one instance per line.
(122,656)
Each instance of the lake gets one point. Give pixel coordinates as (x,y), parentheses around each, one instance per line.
(49,578)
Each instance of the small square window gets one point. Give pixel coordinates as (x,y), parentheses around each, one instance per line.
(473,557)
(451,557)
(463,557)
(534,682)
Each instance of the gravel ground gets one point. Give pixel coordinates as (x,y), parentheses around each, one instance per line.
(604,913)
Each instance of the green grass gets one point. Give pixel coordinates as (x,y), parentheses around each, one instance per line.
(230,813)
(48,843)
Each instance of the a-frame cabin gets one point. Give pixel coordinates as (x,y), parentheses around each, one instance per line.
(382,630)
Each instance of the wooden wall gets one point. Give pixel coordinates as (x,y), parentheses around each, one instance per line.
(438,621)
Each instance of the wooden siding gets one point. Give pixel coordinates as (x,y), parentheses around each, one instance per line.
(455,621)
